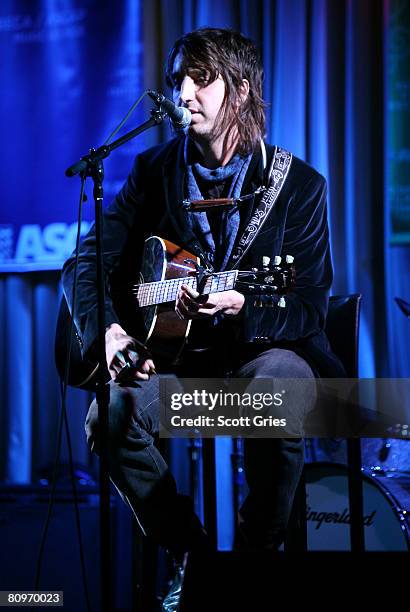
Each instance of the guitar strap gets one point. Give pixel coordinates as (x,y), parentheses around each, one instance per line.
(276,178)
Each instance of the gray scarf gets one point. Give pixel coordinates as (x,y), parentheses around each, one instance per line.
(215,230)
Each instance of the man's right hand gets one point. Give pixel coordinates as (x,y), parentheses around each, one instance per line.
(120,349)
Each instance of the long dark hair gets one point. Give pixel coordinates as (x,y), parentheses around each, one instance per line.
(233,56)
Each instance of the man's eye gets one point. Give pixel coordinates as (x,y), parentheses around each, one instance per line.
(199,77)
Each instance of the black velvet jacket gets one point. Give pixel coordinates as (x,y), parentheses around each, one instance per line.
(150,204)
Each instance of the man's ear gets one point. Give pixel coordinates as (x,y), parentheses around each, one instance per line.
(244,90)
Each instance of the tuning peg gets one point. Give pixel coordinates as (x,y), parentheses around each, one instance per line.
(282,302)
(289,259)
(277,260)
(265,261)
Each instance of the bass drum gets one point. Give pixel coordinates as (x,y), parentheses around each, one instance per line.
(386,510)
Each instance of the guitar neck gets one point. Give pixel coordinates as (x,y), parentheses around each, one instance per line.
(160,292)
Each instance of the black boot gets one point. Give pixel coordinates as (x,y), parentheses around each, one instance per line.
(188,535)
(172,598)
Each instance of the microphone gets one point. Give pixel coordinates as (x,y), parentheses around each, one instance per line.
(179,115)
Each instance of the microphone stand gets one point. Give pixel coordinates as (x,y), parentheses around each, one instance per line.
(92,165)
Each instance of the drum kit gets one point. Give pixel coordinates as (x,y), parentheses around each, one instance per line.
(386,494)
(386,489)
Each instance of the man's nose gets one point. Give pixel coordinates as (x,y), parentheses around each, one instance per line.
(187,92)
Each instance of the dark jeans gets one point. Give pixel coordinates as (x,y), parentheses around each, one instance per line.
(141,475)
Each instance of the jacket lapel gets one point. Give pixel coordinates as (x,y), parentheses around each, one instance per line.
(173,175)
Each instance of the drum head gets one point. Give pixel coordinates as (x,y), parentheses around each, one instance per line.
(328,521)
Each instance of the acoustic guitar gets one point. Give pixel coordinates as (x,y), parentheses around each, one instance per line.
(165,267)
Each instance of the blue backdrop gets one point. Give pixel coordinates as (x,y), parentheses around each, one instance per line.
(72,69)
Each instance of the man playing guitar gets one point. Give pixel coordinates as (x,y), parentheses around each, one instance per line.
(217,75)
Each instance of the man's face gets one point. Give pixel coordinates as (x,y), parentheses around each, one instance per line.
(193,90)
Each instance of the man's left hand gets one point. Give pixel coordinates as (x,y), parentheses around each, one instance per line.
(191,305)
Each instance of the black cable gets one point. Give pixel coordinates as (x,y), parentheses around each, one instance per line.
(63,413)
(50,503)
(62,420)
(76,507)
(123,121)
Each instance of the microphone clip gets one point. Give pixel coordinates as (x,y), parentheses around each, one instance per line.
(179,116)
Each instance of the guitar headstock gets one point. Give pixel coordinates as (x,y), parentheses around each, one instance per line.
(274,277)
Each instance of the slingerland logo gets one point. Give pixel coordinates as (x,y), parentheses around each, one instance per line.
(337,518)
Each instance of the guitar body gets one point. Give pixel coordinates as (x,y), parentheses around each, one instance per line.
(163,332)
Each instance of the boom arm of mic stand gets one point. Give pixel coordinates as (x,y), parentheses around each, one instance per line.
(96,155)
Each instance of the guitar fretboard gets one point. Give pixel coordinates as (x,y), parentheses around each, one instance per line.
(160,292)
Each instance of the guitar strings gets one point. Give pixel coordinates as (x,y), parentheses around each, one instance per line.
(158,292)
